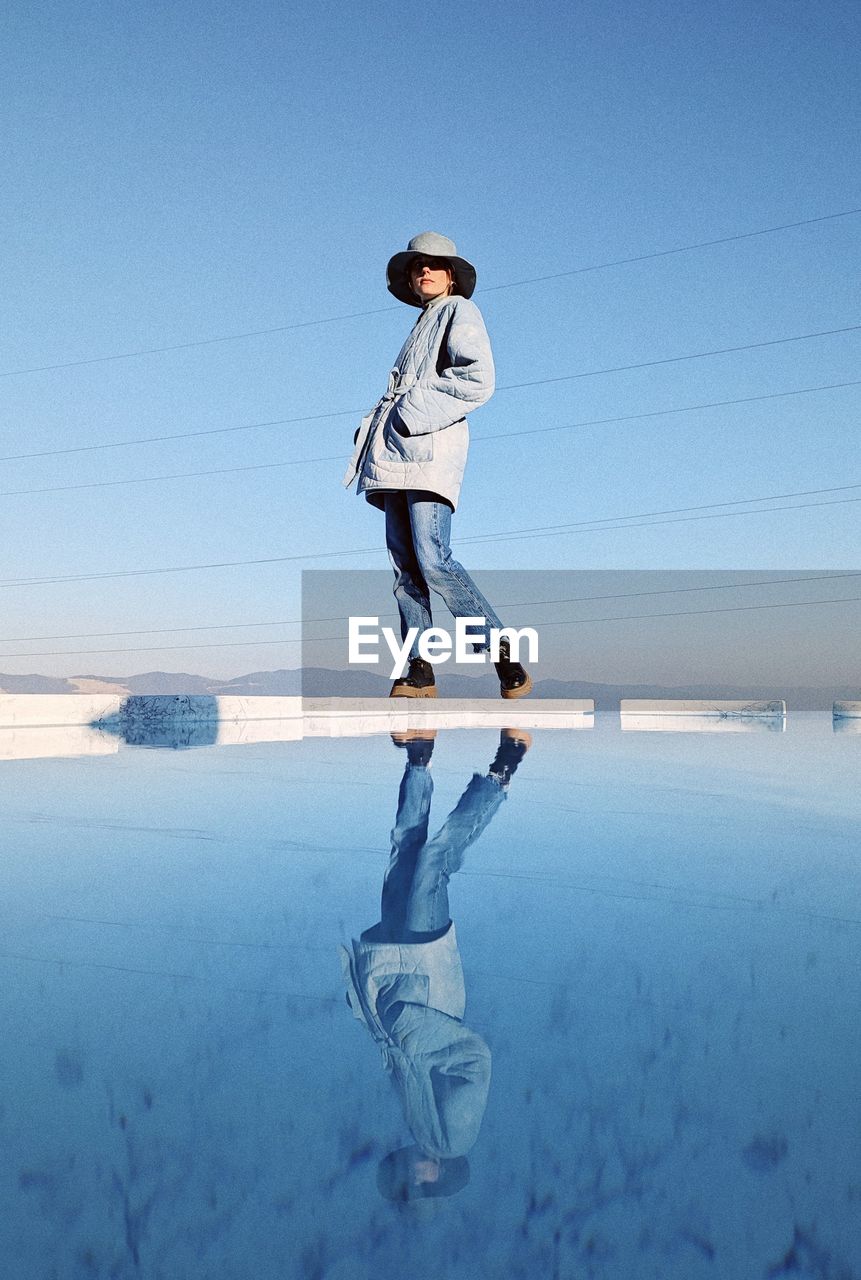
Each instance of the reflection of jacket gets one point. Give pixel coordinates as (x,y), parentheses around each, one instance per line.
(441,1068)
(416,437)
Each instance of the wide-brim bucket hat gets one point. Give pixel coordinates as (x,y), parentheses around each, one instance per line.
(432,245)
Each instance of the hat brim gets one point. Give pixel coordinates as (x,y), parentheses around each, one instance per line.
(398,278)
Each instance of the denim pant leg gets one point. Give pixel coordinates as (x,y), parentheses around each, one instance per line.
(409,837)
(427,905)
(430,523)
(411,590)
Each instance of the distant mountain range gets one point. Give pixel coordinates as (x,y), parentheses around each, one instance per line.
(271,682)
(321,682)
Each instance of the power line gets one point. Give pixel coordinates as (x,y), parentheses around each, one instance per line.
(581,526)
(156,648)
(502,435)
(199,342)
(505,604)
(182,435)
(695,355)
(647,524)
(670,511)
(694,613)
(357,315)
(565,622)
(666,253)
(512,386)
(574,622)
(659,413)
(177,475)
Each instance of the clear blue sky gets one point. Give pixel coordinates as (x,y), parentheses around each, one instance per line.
(174,172)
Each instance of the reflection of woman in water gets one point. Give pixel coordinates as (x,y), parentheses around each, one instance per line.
(405,979)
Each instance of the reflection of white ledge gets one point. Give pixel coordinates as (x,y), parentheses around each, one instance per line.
(846,711)
(239,733)
(722,709)
(337,717)
(348,717)
(846,725)
(52,742)
(702,724)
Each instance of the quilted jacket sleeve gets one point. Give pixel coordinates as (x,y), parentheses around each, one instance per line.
(441,399)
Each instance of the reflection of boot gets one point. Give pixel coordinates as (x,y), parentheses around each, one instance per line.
(418,744)
(513,746)
(514,680)
(417,683)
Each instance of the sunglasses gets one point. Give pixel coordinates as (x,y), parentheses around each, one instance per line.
(432,264)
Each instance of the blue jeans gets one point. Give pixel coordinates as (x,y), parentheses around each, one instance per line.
(418,531)
(415,891)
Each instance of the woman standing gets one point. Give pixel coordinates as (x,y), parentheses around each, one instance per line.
(411,450)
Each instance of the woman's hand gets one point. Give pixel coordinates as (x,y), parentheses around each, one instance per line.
(396,424)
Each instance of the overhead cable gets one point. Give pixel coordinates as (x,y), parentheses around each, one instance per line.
(357,315)
(563,622)
(666,253)
(670,511)
(647,524)
(181,435)
(505,604)
(597,525)
(695,355)
(476,439)
(568,377)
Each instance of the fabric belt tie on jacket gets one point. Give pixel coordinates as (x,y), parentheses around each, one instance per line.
(397,387)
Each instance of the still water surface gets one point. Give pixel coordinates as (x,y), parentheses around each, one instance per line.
(655,1073)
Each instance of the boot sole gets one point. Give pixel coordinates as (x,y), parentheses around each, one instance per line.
(406,692)
(521,690)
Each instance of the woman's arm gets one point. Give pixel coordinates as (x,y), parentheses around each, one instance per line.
(466,383)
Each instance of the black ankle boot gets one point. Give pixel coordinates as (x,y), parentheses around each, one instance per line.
(417,683)
(514,680)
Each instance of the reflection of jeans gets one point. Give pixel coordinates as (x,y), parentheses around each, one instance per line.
(415,890)
(418,530)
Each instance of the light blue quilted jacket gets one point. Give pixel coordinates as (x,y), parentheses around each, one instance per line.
(416,435)
(440,1067)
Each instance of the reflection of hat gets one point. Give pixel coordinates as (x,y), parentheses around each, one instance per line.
(395,1178)
(432,245)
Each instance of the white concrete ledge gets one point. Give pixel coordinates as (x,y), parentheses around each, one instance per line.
(32,709)
(846,710)
(195,708)
(775,709)
(545,711)
(52,709)
(41,725)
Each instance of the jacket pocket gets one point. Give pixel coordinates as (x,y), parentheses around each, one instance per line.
(407,448)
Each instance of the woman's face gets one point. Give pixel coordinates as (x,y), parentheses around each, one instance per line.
(430,277)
